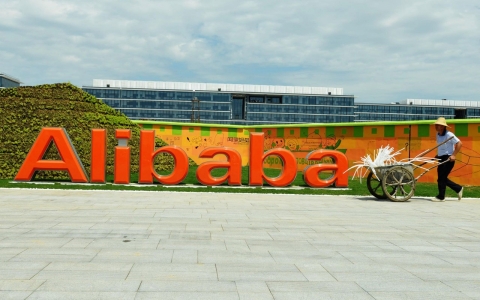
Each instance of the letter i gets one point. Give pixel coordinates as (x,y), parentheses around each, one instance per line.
(121,174)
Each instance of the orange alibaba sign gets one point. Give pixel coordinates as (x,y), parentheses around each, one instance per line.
(71,163)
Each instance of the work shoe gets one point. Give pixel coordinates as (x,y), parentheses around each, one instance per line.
(460,194)
(438,199)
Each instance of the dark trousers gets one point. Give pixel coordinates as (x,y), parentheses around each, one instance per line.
(443,171)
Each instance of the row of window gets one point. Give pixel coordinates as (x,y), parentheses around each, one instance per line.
(301,109)
(473,112)
(318,100)
(299,118)
(219,106)
(225,116)
(273,117)
(167,114)
(156,95)
(405,109)
(396,117)
(264,99)
(178,105)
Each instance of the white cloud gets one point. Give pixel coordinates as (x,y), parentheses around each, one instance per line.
(71,59)
(379,51)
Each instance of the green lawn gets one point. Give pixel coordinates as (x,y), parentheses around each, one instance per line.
(190,184)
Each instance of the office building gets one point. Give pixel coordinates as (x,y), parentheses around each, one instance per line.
(417,109)
(7,81)
(370,112)
(225,103)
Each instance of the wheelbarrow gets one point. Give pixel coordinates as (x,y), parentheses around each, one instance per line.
(396,181)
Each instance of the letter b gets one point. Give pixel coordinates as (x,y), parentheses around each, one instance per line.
(256,174)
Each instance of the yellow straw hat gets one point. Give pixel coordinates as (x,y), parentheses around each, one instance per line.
(441,121)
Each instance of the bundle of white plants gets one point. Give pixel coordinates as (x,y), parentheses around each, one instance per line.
(385,156)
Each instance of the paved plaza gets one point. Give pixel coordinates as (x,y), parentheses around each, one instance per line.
(68,244)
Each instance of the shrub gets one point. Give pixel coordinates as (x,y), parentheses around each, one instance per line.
(24,111)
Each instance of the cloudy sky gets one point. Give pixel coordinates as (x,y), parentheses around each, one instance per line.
(379,51)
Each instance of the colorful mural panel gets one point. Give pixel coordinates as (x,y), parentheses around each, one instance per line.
(356,140)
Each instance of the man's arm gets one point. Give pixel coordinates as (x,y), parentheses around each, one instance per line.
(456,149)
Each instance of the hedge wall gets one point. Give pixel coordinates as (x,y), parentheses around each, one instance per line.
(25,110)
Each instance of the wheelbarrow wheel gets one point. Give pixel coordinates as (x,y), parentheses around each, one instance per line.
(374,186)
(398,184)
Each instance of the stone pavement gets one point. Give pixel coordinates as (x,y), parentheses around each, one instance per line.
(67,244)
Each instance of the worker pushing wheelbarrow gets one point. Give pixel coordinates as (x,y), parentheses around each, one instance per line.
(389,179)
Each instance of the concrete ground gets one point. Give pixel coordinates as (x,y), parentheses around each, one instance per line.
(65,244)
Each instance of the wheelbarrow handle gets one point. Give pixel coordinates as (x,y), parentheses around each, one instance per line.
(430,150)
(436,166)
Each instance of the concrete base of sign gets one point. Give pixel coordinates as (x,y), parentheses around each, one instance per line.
(186,186)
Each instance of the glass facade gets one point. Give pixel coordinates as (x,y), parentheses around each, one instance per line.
(248,108)
(5,82)
(395,112)
(226,108)
(238,108)
(473,113)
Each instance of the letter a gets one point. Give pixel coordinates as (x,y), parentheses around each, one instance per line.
(70,161)
(339,178)
(233,164)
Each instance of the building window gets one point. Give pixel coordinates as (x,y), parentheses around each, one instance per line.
(256,99)
(275,100)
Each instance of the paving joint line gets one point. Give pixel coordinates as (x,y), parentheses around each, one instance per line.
(31,294)
(270,290)
(129,273)
(40,271)
(17,254)
(307,280)
(138,288)
(96,254)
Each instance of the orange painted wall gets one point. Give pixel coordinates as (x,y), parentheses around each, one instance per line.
(355,140)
